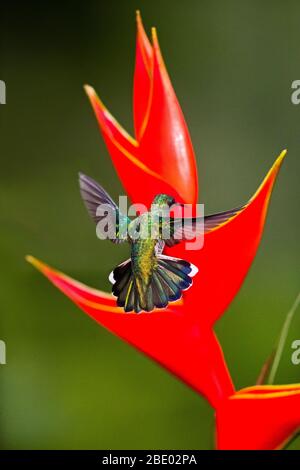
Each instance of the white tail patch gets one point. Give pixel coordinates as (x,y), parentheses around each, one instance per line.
(111,276)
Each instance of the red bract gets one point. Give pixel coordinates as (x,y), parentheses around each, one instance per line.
(190,352)
(259,417)
(162,150)
(227,254)
(160,159)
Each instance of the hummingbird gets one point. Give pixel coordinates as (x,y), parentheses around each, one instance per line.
(148,279)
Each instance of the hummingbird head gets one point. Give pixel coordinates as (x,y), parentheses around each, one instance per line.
(163,200)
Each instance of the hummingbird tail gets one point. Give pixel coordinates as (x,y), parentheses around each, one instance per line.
(126,291)
(172,276)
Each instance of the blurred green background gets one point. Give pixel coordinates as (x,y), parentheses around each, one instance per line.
(68,383)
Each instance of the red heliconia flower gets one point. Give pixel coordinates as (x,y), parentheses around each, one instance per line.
(160,159)
(260,417)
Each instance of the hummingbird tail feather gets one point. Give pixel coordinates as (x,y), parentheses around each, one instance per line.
(169,279)
(124,287)
(175,276)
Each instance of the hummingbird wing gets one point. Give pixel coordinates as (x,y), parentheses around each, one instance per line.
(181,229)
(111,223)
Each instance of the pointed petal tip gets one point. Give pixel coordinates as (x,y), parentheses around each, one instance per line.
(43,267)
(93,97)
(277,164)
(108,123)
(281,157)
(270,178)
(39,265)
(138,17)
(89,90)
(154,36)
(159,60)
(141,30)
(143,42)
(155,44)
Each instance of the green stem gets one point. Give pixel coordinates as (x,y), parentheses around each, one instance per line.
(282,339)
